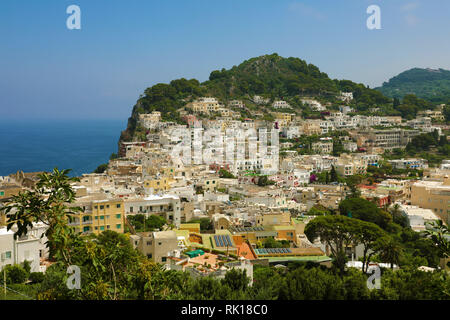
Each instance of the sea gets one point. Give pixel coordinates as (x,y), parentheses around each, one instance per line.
(41,145)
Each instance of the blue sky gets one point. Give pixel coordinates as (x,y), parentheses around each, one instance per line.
(48,71)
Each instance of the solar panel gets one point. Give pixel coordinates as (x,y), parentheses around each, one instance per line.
(223,241)
(279,250)
(220,241)
(227,238)
(285,250)
(289,250)
(215,240)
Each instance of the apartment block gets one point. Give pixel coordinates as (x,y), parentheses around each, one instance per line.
(434,195)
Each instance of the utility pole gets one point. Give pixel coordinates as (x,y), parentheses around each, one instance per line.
(4,281)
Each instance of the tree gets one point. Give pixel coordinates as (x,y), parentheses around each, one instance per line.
(226,174)
(336,231)
(101,168)
(236,280)
(391,251)
(312,284)
(439,233)
(333,174)
(47,203)
(264,181)
(397,215)
(365,210)
(369,234)
(272,243)
(206,224)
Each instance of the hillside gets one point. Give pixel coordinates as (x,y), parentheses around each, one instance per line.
(429,84)
(271,76)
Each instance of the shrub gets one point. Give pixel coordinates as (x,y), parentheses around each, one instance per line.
(36,277)
(27,267)
(15,274)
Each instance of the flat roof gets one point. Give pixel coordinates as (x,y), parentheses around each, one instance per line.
(297,258)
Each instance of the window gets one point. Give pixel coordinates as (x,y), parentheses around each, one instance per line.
(102,207)
(131,209)
(118,226)
(8,255)
(149,255)
(95,207)
(107,206)
(149,243)
(163,259)
(118,216)
(2,193)
(118,205)
(85,229)
(102,228)
(107,227)
(159,243)
(102,217)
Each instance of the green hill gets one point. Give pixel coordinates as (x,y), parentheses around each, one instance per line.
(429,84)
(271,76)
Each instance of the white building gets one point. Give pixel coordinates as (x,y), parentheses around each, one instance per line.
(314,104)
(30,247)
(417,217)
(280,104)
(409,163)
(166,205)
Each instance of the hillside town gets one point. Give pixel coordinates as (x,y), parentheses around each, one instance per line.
(222,191)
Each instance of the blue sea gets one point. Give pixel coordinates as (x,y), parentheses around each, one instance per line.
(41,145)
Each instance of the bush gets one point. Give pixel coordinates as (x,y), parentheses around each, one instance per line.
(36,277)
(15,274)
(27,267)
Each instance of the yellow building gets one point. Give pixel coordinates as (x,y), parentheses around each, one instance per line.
(311,127)
(434,195)
(192,227)
(285,233)
(273,218)
(99,216)
(210,184)
(159,184)
(204,105)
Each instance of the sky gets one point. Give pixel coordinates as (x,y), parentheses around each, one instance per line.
(98,72)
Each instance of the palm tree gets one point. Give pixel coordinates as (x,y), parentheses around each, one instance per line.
(49,203)
(440,235)
(391,252)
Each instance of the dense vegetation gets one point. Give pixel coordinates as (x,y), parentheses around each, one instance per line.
(270,76)
(432,85)
(141,223)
